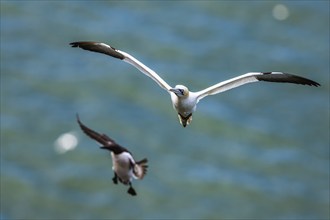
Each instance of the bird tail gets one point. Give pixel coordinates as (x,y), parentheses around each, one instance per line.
(140,168)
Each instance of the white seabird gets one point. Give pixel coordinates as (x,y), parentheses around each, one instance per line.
(183,100)
(123,164)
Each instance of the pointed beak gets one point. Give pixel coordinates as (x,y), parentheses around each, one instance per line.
(176,91)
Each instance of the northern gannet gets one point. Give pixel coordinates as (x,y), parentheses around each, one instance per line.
(183,100)
(123,164)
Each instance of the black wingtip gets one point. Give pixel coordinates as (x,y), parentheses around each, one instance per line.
(81,44)
(315,84)
(98,48)
(81,125)
(78,119)
(74,44)
(282,77)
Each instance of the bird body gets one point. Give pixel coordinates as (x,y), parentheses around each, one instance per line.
(183,100)
(123,164)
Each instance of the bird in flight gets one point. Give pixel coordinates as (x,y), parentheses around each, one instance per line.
(123,164)
(183,100)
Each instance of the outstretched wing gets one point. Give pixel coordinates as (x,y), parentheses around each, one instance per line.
(104,140)
(111,51)
(255,77)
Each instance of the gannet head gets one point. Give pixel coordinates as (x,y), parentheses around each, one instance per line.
(180,91)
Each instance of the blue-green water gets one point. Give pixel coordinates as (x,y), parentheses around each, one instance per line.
(260,151)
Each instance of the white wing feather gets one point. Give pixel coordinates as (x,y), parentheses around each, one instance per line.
(146,70)
(278,77)
(228,84)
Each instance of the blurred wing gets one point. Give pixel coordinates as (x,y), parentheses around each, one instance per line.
(254,77)
(140,169)
(111,51)
(102,139)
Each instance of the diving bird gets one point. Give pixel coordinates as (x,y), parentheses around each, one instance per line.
(183,100)
(123,164)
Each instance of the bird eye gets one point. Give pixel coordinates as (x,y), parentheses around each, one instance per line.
(181,91)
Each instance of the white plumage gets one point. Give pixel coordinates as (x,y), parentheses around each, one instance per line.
(183,100)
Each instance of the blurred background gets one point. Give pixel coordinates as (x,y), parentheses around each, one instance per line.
(260,151)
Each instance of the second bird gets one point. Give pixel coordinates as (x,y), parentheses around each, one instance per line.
(123,164)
